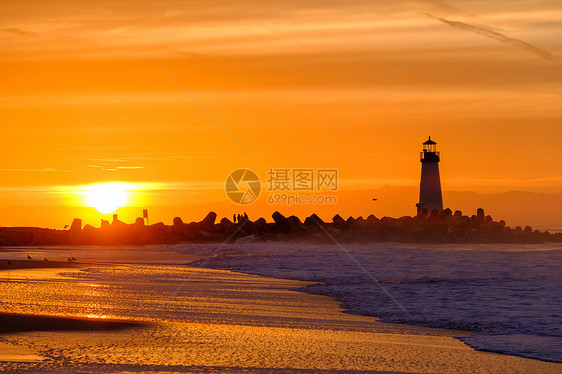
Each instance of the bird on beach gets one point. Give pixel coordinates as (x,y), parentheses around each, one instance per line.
(9,262)
(69,259)
(28,257)
(45,259)
(73,259)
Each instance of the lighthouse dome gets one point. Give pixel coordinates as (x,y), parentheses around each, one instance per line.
(429,141)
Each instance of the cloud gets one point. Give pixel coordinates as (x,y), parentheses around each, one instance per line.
(104,165)
(510,182)
(131,186)
(36,170)
(15,32)
(498,36)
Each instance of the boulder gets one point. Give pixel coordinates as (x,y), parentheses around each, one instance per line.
(433,215)
(480,213)
(339,223)
(76,225)
(294,221)
(296,226)
(372,219)
(209,221)
(313,220)
(279,218)
(226,225)
(259,226)
(89,229)
(338,220)
(105,225)
(226,221)
(157,230)
(281,221)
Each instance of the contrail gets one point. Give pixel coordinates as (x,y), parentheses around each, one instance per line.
(498,36)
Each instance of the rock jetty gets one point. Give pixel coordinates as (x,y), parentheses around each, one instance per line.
(434,227)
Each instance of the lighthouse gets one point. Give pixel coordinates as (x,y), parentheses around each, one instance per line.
(430,183)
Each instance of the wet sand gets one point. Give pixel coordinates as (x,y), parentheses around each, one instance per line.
(14,353)
(36,264)
(87,254)
(222,321)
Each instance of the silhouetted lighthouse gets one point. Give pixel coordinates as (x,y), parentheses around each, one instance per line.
(430,184)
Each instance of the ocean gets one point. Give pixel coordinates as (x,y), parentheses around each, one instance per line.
(509,296)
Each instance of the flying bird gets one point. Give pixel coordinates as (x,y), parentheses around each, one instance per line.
(45,259)
(28,257)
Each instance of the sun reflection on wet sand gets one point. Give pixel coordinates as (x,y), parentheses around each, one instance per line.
(9,352)
(39,274)
(96,316)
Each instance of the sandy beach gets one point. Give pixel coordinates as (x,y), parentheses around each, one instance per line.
(203,320)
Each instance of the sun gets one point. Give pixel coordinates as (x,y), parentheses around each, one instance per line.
(107,197)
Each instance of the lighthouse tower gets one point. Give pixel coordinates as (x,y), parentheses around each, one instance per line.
(430,184)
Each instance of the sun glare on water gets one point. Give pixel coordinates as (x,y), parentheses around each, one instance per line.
(107,197)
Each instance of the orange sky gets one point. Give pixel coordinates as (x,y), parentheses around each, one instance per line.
(84,100)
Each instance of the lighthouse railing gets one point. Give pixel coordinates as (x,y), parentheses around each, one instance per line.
(426,154)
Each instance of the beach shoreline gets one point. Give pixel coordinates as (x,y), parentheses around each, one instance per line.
(337,341)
